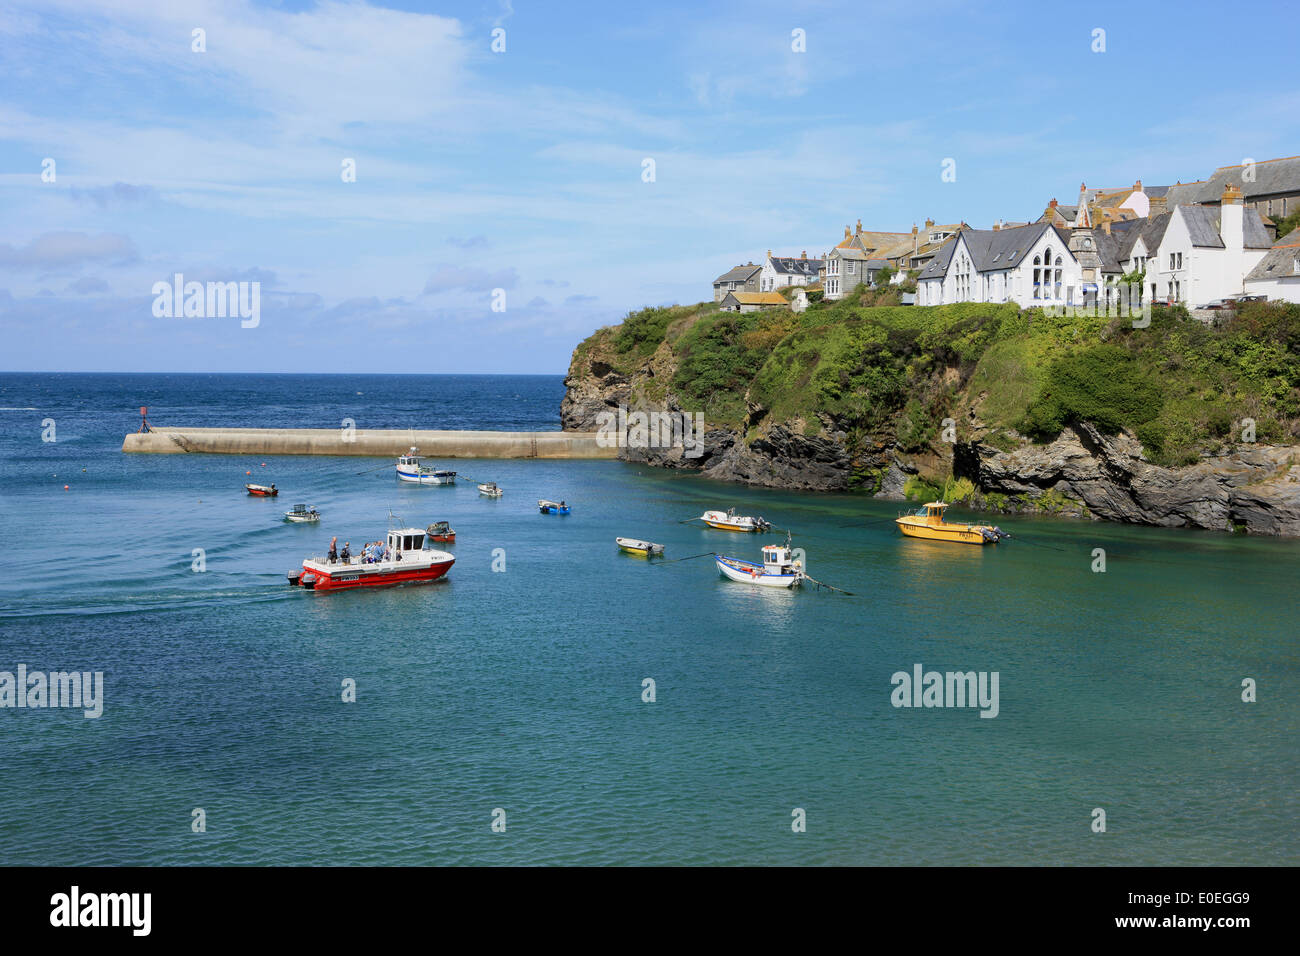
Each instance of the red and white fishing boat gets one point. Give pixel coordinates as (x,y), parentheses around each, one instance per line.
(405,558)
(779,569)
(262,491)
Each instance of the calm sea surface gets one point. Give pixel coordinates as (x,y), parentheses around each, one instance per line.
(522,689)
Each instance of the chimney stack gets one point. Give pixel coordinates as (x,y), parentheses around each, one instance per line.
(804,254)
(996,227)
(1105,226)
(1231,218)
(929,224)
(1137,186)
(847,233)
(858,232)
(769,253)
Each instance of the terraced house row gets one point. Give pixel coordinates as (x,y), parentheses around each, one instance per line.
(1197,244)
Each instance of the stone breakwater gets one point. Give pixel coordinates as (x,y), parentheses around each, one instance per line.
(367,442)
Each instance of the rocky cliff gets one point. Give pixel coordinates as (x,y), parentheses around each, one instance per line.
(1084,471)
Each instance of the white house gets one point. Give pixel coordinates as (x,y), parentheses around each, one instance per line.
(1030,265)
(781,271)
(1277,275)
(1206,252)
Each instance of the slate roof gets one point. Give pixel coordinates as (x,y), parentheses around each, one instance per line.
(937,267)
(789,265)
(1280,262)
(993,249)
(1272,176)
(738,274)
(1204,224)
(1107,248)
(1153,232)
(1125,236)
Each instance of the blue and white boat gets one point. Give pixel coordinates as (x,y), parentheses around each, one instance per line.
(778,570)
(552,507)
(410,469)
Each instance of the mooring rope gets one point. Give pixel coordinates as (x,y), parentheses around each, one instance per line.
(702,554)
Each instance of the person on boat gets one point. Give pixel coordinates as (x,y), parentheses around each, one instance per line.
(347,552)
(334,550)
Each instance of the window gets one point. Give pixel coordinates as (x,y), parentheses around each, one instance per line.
(1180,260)
(1038,287)
(1056,293)
(1171,260)
(1295,266)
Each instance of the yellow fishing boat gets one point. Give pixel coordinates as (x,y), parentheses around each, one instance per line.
(927,522)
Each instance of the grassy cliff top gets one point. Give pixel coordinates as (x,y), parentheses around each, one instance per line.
(1180,386)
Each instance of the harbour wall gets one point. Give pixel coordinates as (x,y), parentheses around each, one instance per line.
(368,442)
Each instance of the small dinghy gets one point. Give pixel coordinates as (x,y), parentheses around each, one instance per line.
(730,521)
(778,570)
(490,489)
(301,513)
(646,549)
(441,531)
(410,469)
(262,491)
(552,507)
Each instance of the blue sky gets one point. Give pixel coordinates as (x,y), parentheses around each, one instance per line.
(522,170)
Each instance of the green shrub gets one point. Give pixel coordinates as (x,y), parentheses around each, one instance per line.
(1103,385)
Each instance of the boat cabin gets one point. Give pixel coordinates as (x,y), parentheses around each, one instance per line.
(777,557)
(933,512)
(405,539)
(411,460)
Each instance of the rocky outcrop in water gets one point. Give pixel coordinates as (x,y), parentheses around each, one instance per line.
(1256,487)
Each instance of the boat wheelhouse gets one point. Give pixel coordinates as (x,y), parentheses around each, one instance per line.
(730,521)
(301,514)
(405,558)
(778,570)
(928,522)
(410,469)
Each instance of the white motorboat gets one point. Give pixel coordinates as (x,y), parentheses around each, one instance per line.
(410,469)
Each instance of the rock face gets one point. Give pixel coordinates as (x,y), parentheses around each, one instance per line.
(1255,487)
(1082,473)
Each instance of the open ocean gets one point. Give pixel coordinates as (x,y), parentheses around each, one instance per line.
(522,689)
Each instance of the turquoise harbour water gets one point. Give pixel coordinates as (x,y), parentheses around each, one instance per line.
(522,689)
